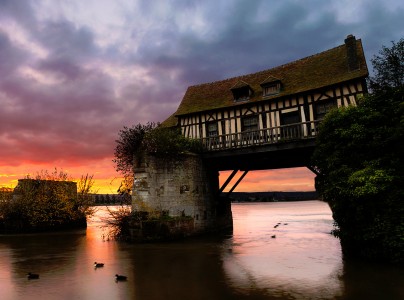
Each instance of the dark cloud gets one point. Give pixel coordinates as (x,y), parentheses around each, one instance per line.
(382,25)
(240,42)
(63,69)
(17,10)
(66,40)
(10,57)
(67,86)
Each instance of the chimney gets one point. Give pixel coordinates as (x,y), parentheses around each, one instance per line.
(353,62)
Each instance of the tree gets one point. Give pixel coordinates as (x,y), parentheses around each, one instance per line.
(85,199)
(169,142)
(360,157)
(129,145)
(125,188)
(389,67)
(48,201)
(151,139)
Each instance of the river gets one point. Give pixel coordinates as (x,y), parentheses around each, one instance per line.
(299,259)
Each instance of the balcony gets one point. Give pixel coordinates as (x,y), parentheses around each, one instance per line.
(262,137)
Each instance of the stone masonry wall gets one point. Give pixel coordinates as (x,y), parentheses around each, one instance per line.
(181,187)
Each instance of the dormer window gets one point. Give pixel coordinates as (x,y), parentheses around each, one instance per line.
(272,89)
(271,86)
(241,94)
(241,91)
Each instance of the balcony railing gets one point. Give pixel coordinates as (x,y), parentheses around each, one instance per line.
(279,134)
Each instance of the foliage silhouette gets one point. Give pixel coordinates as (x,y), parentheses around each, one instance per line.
(360,157)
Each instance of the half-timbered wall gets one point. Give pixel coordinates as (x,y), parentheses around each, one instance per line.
(270,113)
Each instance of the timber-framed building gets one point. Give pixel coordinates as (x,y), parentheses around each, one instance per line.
(264,120)
(266,106)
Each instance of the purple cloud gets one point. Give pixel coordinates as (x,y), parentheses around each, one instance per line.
(73,74)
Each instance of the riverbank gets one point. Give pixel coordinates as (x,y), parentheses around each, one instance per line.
(272,196)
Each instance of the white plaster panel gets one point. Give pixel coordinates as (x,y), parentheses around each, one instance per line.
(239,124)
(268,119)
(289,110)
(311,113)
(232,126)
(352,100)
(219,128)
(203,130)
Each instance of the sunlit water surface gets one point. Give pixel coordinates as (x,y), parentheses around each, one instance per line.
(299,259)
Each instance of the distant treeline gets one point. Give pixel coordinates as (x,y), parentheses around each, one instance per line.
(6,194)
(272,196)
(111,199)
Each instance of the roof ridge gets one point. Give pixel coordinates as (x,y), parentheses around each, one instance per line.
(266,70)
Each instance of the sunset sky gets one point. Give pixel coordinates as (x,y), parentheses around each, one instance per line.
(73,73)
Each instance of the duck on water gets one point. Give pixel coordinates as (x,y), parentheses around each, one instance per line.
(32,276)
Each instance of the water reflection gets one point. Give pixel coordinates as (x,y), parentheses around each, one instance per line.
(188,270)
(50,255)
(303,261)
(288,255)
(33,252)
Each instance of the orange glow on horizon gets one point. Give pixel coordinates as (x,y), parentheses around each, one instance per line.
(280,180)
(107,180)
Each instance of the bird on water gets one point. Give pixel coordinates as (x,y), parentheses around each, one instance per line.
(98,265)
(120,277)
(32,276)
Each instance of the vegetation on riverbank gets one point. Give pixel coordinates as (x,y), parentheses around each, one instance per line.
(145,226)
(47,202)
(359,154)
(153,139)
(140,223)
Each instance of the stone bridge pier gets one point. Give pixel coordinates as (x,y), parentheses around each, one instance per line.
(184,186)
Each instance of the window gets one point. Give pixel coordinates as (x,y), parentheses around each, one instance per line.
(212,129)
(212,133)
(250,123)
(250,129)
(290,118)
(323,107)
(291,129)
(241,91)
(271,86)
(241,94)
(272,89)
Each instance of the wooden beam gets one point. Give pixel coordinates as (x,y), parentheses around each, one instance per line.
(228,181)
(236,184)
